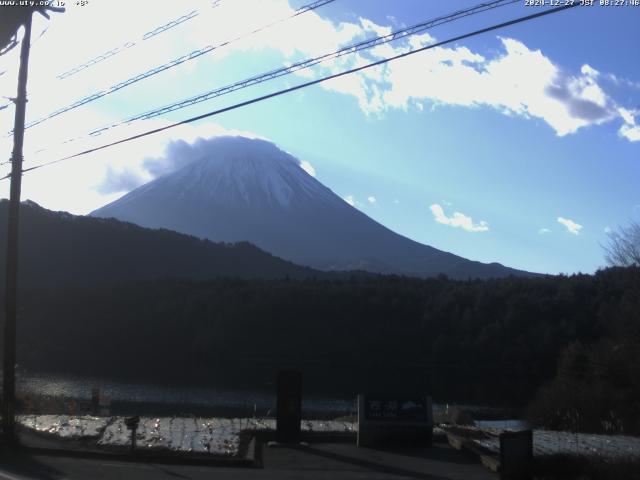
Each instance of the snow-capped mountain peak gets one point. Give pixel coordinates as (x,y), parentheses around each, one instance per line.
(241,189)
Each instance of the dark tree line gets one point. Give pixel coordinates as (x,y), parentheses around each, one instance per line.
(57,248)
(495,341)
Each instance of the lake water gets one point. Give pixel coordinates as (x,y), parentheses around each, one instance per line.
(180,398)
(153,399)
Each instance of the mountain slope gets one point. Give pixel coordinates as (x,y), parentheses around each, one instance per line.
(58,249)
(243,189)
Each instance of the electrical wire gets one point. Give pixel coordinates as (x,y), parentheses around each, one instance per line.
(34,42)
(307,84)
(171,64)
(129,44)
(304,64)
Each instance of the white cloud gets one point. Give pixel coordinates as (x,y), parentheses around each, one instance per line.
(572,227)
(307,167)
(519,81)
(105,175)
(627,116)
(629,130)
(350,200)
(631,133)
(457,220)
(314,35)
(421,40)
(544,231)
(371,199)
(589,70)
(381,31)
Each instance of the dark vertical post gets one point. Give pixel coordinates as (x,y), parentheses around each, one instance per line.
(516,455)
(132,424)
(289,406)
(134,435)
(95,401)
(11,294)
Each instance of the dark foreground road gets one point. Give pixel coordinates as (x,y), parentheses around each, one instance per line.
(334,461)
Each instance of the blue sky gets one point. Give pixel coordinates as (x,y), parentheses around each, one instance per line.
(520,146)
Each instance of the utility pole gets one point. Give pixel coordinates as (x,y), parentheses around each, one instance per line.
(11,287)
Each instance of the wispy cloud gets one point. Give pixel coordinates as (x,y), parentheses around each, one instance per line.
(140,164)
(122,180)
(572,227)
(457,220)
(372,200)
(617,80)
(307,167)
(544,231)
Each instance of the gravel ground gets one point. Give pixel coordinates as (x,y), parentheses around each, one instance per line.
(215,436)
(547,443)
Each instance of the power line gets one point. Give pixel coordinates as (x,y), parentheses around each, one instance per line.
(129,44)
(40,36)
(95,60)
(350,49)
(178,61)
(306,84)
(171,24)
(34,42)
(364,45)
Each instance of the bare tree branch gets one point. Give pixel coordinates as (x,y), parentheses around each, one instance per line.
(623,248)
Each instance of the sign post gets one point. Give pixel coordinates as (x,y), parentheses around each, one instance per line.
(132,424)
(104,402)
(383,420)
(95,401)
(516,455)
(289,407)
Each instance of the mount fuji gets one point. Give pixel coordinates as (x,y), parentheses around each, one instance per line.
(241,189)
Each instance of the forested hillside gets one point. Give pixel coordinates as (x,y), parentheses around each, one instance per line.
(57,248)
(492,341)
